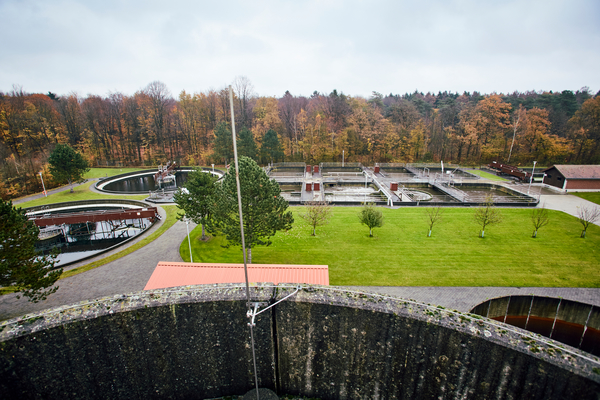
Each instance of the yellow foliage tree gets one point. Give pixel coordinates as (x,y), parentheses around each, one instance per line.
(266,116)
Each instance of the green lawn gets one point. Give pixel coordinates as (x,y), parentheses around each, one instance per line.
(400,254)
(486,175)
(594,197)
(81,192)
(106,172)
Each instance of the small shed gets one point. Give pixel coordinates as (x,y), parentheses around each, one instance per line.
(573,177)
(172,274)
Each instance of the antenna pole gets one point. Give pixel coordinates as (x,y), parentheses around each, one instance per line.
(239,196)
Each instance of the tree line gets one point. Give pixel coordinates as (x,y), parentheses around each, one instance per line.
(151,127)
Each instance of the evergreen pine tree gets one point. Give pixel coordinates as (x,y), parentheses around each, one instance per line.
(264,211)
(246,144)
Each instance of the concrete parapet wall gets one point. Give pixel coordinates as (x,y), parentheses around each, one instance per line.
(323,342)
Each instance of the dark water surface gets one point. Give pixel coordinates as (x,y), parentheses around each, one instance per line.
(143,183)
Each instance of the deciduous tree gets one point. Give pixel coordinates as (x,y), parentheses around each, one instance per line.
(370,216)
(536,141)
(485,126)
(289,108)
(157,109)
(20,266)
(434,215)
(539,219)
(587,216)
(244,92)
(487,214)
(266,117)
(586,122)
(317,213)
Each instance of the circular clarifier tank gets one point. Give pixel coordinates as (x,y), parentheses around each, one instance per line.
(138,182)
(83,229)
(142,182)
(193,342)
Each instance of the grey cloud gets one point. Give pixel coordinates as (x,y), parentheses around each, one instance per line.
(353,46)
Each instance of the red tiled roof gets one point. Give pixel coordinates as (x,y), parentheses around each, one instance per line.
(578,171)
(171,274)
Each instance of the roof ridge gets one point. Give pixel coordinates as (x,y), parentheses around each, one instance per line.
(224,265)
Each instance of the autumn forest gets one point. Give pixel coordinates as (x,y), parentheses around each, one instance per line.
(151,127)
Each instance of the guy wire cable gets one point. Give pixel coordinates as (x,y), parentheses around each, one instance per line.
(239,196)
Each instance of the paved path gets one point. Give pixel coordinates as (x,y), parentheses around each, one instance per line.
(566,203)
(51,191)
(466,298)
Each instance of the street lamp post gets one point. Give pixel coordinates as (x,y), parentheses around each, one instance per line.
(213,168)
(531,179)
(187,227)
(343,151)
(43,186)
(541,186)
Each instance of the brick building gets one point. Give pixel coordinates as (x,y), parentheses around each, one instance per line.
(573,177)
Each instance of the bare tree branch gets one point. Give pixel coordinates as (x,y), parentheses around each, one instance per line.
(587,216)
(434,214)
(317,214)
(487,214)
(539,218)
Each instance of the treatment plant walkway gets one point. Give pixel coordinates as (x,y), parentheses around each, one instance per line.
(130,274)
(51,191)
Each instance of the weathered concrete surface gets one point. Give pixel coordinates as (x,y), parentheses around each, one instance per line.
(153,345)
(352,347)
(193,342)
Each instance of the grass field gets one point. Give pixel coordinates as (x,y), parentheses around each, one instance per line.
(400,254)
(106,172)
(81,192)
(487,175)
(594,197)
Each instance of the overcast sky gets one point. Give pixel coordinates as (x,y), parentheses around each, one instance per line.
(356,47)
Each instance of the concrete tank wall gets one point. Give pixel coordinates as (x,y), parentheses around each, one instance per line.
(194,342)
(578,324)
